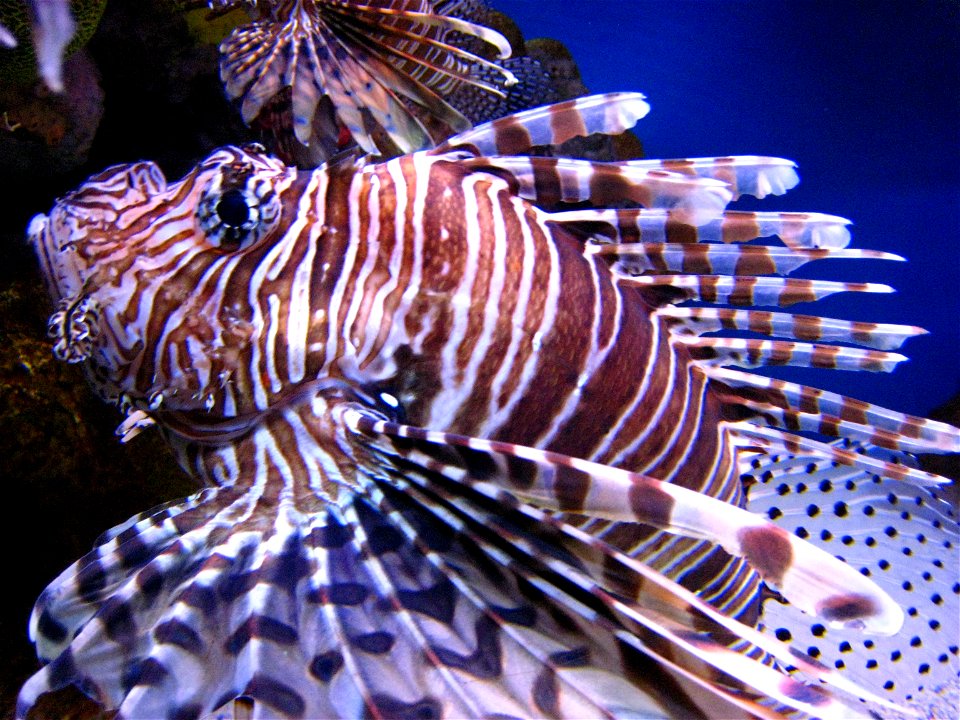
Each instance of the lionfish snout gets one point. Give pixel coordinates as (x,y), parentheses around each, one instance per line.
(60,273)
(73,242)
(89,223)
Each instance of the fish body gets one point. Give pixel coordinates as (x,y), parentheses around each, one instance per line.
(465,449)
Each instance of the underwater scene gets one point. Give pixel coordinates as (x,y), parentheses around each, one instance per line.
(480,358)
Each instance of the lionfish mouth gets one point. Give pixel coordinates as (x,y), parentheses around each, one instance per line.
(74,325)
(60,273)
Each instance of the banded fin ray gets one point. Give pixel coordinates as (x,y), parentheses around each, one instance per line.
(750,353)
(810,579)
(700,320)
(914,433)
(830,425)
(643,257)
(742,290)
(547,182)
(687,615)
(751,175)
(610,114)
(776,442)
(797,230)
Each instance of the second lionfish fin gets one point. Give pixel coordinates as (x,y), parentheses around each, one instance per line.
(350,76)
(609,114)
(251,67)
(423,52)
(388,111)
(350,11)
(807,577)
(359,55)
(260,59)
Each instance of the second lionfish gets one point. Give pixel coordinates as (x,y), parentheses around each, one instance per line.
(472,445)
(392,75)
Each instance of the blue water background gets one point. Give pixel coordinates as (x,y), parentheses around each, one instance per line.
(864,96)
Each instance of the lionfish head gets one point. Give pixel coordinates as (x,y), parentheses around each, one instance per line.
(136,268)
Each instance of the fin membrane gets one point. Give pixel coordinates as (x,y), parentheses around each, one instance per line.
(903,537)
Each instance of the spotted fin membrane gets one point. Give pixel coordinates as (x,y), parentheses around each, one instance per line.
(906,539)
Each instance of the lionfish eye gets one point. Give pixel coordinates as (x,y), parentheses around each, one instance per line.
(238,208)
(232,209)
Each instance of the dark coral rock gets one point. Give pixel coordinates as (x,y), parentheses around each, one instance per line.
(66,477)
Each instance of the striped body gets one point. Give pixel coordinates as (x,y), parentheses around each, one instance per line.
(500,328)
(389,375)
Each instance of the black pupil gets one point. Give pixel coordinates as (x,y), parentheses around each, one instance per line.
(232,208)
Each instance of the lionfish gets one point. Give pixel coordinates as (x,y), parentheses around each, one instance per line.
(472,445)
(394,76)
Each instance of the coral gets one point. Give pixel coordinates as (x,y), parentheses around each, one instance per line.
(58,35)
(65,472)
(46,133)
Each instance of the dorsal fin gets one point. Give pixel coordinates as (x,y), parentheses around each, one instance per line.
(703,259)
(700,320)
(610,114)
(626,225)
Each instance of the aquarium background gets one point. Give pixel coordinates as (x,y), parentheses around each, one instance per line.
(863,95)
